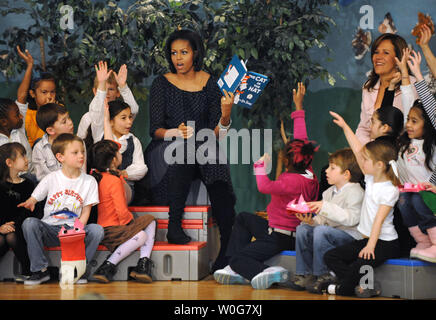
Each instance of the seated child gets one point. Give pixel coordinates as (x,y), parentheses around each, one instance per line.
(13,190)
(12,126)
(246,263)
(123,233)
(70,195)
(380,242)
(54,119)
(337,216)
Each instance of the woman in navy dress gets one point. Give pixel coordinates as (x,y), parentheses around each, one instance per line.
(182,102)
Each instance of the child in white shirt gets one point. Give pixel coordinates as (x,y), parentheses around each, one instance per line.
(70,195)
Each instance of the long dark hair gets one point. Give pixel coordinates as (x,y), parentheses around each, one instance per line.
(394,118)
(429,136)
(399,44)
(9,151)
(100,157)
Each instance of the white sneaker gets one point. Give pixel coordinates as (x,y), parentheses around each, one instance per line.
(270,275)
(82,281)
(228,276)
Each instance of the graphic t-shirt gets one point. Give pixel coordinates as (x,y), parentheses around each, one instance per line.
(65,197)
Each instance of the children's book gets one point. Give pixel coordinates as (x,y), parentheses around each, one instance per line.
(246,85)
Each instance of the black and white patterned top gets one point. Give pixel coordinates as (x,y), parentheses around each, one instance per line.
(171,106)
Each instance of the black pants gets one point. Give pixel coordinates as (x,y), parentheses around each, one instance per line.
(221,198)
(344,261)
(16,242)
(247,257)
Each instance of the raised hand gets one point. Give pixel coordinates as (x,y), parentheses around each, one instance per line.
(227,103)
(102,72)
(27,57)
(414,63)
(121,77)
(338,119)
(425,36)
(298,96)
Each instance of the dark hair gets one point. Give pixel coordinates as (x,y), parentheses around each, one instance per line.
(5,105)
(384,151)
(61,142)
(399,44)
(101,155)
(195,42)
(44,76)
(115,107)
(9,151)
(48,114)
(300,154)
(393,117)
(429,136)
(346,160)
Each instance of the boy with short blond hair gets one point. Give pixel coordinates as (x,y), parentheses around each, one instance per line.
(54,120)
(335,223)
(70,195)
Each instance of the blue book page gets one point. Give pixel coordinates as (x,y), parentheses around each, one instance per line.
(232,75)
(250,89)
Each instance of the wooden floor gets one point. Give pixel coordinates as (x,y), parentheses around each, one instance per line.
(207,289)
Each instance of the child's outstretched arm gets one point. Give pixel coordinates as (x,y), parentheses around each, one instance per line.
(300,131)
(352,139)
(126,93)
(427,99)
(264,184)
(108,134)
(29,204)
(368,251)
(23,89)
(429,56)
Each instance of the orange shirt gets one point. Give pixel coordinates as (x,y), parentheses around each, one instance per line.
(112,209)
(32,130)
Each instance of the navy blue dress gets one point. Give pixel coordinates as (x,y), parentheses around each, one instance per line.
(169,107)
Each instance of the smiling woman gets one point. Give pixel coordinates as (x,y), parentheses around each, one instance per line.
(384,51)
(185,96)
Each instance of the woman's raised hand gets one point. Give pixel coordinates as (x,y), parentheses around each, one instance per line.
(227,103)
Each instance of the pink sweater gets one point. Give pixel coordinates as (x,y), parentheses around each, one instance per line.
(288,186)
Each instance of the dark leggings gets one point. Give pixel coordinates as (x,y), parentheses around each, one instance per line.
(16,242)
(247,257)
(344,261)
(221,198)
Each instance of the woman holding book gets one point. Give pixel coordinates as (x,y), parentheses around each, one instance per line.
(183,102)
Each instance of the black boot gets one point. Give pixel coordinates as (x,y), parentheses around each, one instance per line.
(176,234)
(105,272)
(142,271)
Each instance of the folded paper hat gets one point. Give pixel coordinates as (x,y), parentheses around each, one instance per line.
(410,187)
(72,252)
(300,207)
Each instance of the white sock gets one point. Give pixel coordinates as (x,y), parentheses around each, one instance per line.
(331,289)
(146,249)
(230,270)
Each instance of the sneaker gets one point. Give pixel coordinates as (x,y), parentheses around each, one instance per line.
(38,277)
(368,293)
(21,278)
(321,283)
(269,276)
(300,282)
(105,272)
(142,271)
(228,276)
(82,280)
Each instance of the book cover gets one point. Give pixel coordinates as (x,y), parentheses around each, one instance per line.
(250,89)
(232,75)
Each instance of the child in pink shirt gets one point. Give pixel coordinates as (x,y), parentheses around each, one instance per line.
(278,232)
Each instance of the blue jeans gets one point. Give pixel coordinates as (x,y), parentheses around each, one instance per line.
(415,212)
(39,234)
(311,245)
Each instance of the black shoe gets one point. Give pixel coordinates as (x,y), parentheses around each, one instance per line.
(38,278)
(176,235)
(142,271)
(105,272)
